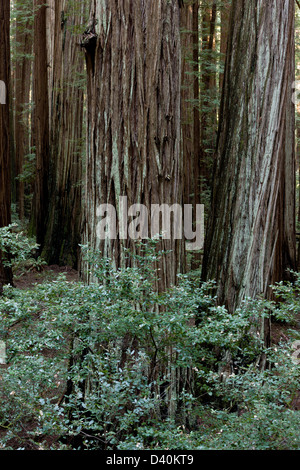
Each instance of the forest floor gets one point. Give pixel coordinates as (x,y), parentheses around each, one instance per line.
(48,273)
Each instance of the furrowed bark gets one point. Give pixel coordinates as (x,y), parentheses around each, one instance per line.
(190,116)
(208,95)
(5,177)
(66,136)
(41,124)
(134,65)
(225,14)
(251,235)
(23,66)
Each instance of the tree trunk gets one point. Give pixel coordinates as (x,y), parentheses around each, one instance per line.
(66,141)
(251,235)
(298,165)
(208,101)
(41,124)
(5,189)
(133,65)
(23,62)
(190,116)
(225,15)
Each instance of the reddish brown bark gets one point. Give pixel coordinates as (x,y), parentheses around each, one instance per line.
(66,136)
(208,91)
(134,77)
(5,177)
(190,116)
(23,65)
(41,124)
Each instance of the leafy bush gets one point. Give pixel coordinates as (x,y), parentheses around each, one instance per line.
(18,250)
(116,365)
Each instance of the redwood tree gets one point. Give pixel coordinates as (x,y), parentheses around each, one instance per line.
(62,238)
(225,14)
(190,116)
(5,190)
(40,123)
(208,96)
(134,76)
(251,235)
(23,66)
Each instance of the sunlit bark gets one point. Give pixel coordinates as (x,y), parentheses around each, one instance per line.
(251,236)
(134,75)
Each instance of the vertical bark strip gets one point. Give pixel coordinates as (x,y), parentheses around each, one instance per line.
(5,190)
(66,134)
(251,236)
(24,39)
(208,97)
(41,123)
(225,15)
(134,77)
(190,119)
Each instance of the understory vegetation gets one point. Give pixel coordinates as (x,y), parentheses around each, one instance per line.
(116,365)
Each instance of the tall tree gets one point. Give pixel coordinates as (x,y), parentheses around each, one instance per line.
(190,115)
(66,134)
(134,76)
(208,96)
(251,235)
(40,123)
(225,14)
(5,189)
(23,66)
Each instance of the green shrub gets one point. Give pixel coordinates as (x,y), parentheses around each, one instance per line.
(18,251)
(116,365)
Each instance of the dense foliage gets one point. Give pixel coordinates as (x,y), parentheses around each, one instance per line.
(94,366)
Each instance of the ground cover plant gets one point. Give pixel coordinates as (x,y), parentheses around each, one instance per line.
(116,365)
